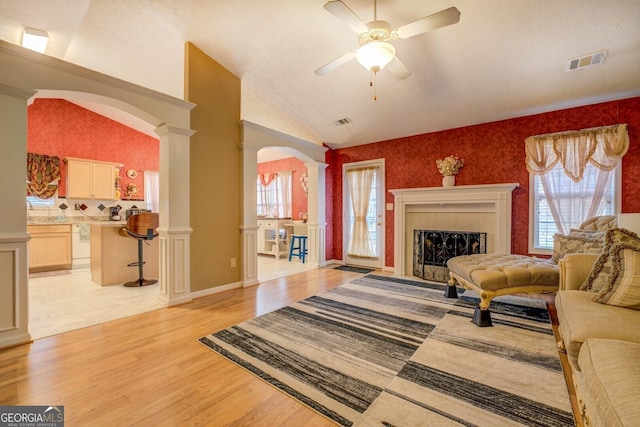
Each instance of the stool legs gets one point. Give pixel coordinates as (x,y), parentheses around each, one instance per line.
(298,247)
(141,281)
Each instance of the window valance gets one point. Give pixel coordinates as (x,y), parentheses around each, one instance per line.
(42,173)
(603,147)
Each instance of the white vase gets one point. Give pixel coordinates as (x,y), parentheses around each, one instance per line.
(449,181)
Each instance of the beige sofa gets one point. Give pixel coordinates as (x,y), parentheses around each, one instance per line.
(602,341)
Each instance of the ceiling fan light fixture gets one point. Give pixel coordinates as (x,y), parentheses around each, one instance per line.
(35,39)
(374,56)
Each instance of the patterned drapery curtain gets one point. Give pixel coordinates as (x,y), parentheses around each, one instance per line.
(42,172)
(602,147)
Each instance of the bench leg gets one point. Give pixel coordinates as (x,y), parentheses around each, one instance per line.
(481,318)
(481,314)
(450,290)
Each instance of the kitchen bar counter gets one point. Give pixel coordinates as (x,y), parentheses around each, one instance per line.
(111,252)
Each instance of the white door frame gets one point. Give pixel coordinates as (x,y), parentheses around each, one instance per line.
(380,201)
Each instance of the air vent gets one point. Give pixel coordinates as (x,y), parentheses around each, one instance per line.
(586,60)
(344,121)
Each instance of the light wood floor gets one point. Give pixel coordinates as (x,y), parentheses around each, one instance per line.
(149,369)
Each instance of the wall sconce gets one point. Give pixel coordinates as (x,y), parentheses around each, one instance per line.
(34,39)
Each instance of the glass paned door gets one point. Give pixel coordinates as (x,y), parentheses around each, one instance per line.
(363,191)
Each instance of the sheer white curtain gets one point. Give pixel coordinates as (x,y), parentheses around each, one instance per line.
(284,202)
(587,157)
(274,194)
(360,182)
(152,190)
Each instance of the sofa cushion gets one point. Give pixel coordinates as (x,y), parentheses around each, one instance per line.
(607,267)
(589,234)
(575,244)
(624,288)
(610,383)
(580,318)
(603,222)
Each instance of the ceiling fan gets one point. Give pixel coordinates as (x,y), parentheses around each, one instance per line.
(375,52)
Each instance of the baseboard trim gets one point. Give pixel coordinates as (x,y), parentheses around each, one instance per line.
(216,290)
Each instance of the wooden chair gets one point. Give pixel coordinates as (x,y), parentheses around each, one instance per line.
(141,227)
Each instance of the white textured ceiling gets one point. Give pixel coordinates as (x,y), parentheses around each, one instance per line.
(505,58)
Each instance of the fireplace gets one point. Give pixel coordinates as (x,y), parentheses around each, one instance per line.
(433,248)
(462,207)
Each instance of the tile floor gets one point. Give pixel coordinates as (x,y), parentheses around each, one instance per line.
(64,302)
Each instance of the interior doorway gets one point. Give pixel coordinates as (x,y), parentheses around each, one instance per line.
(65,300)
(363,210)
(286,209)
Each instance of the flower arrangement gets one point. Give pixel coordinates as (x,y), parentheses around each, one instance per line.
(450,165)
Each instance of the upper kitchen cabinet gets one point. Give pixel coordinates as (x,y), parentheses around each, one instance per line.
(91,179)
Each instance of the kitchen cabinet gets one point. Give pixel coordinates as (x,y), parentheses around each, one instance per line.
(91,179)
(49,247)
(271,236)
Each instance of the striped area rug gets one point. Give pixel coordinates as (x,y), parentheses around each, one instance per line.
(393,352)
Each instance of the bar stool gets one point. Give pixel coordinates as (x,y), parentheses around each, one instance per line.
(298,247)
(141,227)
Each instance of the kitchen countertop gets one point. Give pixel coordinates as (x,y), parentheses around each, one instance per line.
(109,223)
(43,220)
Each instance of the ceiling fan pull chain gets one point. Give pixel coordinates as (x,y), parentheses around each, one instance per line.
(373,84)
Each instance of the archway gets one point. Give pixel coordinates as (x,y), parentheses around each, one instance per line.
(254,138)
(26,73)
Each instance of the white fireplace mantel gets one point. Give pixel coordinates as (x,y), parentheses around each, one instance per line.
(495,198)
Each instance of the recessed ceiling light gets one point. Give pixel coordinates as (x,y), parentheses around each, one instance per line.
(35,39)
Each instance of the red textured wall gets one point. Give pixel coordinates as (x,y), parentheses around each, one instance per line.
(493,153)
(298,197)
(59,128)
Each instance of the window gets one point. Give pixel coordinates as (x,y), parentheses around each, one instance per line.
(574,176)
(573,200)
(363,241)
(274,195)
(33,201)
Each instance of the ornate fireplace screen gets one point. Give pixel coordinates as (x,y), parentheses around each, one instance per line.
(432,249)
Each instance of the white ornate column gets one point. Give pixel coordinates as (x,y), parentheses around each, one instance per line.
(317,223)
(174,229)
(14,315)
(249,227)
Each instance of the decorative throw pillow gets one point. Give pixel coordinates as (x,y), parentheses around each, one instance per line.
(563,244)
(589,234)
(624,289)
(603,271)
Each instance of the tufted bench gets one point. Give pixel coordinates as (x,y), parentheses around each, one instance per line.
(492,275)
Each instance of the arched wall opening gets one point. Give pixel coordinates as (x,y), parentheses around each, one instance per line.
(27,73)
(254,138)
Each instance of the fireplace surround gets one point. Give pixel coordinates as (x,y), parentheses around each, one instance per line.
(487,207)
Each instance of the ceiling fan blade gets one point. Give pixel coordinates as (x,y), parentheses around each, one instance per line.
(398,69)
(346,15)
(335,63)
(440,19)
